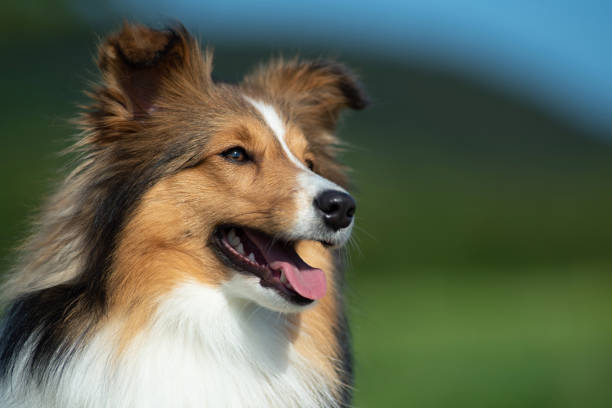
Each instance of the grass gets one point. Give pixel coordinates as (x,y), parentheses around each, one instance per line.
(530,338)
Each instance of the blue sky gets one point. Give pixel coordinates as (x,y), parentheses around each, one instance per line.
(557,53)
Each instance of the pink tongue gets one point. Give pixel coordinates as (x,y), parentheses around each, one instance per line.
(309,282)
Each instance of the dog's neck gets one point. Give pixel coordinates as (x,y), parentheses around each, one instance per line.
(201,349)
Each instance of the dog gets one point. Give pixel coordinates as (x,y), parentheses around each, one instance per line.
(192,257)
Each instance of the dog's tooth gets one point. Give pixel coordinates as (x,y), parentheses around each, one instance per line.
(240,248)
(283,278)
(251,257)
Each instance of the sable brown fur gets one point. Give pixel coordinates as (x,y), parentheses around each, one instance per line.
(148,136)
(312,93)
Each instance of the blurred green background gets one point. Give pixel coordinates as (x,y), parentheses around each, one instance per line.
(480,272)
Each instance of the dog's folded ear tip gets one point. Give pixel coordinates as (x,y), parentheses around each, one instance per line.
(349,84)
(136,59)
(138,45)
(355,95)
(323,87)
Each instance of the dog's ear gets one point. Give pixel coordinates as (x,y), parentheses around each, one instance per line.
(139,62)
(319,89)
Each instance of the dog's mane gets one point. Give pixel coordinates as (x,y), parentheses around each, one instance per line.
(59,286)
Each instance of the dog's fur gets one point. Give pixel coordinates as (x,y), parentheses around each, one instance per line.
(121,298)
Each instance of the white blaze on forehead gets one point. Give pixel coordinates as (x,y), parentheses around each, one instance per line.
(308,222)
(274,122)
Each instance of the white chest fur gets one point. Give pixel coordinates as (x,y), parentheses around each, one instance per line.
(203,349)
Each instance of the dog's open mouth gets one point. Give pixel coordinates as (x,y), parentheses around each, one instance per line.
(275,262)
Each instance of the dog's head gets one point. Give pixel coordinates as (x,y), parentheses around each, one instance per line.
(237,174)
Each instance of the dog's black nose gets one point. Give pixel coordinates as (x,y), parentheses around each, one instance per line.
(337,207)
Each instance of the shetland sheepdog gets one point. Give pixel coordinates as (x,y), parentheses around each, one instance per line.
(191,258)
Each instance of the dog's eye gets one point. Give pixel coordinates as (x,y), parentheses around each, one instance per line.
(236,154)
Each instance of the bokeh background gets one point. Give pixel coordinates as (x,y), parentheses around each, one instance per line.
(481,273)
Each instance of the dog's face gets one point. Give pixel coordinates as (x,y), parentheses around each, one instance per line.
(259,173)
(257,193)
